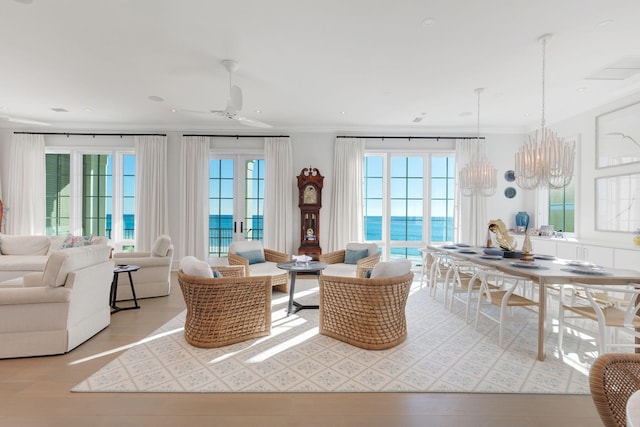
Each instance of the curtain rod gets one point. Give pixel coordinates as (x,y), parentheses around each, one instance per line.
(438,138)
(241,136)
(91,134)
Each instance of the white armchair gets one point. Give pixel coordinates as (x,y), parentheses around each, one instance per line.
(55,311)
(153,279)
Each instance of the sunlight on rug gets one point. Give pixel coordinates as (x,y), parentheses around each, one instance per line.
(441,354)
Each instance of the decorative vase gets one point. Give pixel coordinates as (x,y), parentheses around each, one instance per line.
(522,221)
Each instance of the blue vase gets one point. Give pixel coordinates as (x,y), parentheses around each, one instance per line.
(522,220)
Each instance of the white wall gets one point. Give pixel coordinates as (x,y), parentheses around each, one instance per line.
(316,150)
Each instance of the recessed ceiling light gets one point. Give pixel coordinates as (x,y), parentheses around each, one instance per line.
(581,89)
(527,114)
(173,110)
(258,111)
(428,21)
(604,23)
(60,110)
(156,98)
(24,1)
(424,113)
(343,112)
(88,110)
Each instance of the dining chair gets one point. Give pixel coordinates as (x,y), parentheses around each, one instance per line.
(613,378)
(430,270)
(499,289)
(612,309)
(461,282)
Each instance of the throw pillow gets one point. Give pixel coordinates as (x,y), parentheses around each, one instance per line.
(351,256)
(161,245)
(76,241)
(254,257)
(194,267)
(391,269)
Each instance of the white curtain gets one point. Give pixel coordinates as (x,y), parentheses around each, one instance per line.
(470,211)
(151,210)
(345,221)
(193,198)
(25,198)
(278,194)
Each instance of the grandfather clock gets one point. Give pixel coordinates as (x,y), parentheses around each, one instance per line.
(310,202)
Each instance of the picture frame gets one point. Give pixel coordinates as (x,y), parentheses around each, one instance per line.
(618,137)
(617,203)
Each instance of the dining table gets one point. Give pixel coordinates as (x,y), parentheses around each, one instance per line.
(545,270)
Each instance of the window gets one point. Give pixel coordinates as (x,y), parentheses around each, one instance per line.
(236,201)
(399,193)
(101,202)
(443,170)
(58,194)
(562,207)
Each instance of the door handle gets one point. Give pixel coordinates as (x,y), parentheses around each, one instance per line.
(234,226)
(241,226)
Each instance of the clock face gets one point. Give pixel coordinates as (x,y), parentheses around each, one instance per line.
(310,195)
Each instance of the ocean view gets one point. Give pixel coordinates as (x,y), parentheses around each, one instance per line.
(402,228)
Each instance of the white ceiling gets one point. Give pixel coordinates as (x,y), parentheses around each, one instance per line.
(326,65)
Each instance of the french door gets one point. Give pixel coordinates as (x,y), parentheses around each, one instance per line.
(236,201)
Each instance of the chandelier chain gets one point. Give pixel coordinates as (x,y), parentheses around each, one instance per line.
(544,48)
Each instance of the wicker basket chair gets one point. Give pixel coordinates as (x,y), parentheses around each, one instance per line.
(226,310)
(613,378)
(336,265)
(366,313)
(279,278)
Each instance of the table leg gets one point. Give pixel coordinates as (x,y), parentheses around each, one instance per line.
(133,290)
(292,290)
(542,310)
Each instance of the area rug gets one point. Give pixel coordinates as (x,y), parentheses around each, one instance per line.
(442,353)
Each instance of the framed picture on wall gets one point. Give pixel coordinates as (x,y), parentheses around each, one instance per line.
(618,203)
(618,137)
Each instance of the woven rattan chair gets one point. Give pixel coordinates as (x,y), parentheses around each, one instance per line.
(613,378)
(366,313)
(227,310)
(279,278)
(336,265)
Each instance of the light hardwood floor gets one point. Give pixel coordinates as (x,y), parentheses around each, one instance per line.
(35,392)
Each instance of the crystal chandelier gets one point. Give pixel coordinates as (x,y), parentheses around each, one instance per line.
(544,160)
(478,177)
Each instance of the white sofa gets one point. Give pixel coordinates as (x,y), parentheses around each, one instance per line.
(55,311)
(153,279)
(20,255)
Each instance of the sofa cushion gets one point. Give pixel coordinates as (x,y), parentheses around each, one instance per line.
(194,267)
(352,256)
(340,269)
(161,246)
(391,269)
(371,247)
(75,241)
(254,257)
(56,243)
(60,263)
(23,263)
(24,245)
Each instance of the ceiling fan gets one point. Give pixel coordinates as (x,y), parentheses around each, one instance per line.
(234,104)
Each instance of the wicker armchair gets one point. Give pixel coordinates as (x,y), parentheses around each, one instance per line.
(279,278)
(227,310)
(366,313)
(613,378)
(337,267)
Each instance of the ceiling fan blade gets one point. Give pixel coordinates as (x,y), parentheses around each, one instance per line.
(235,98)
(251,122)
